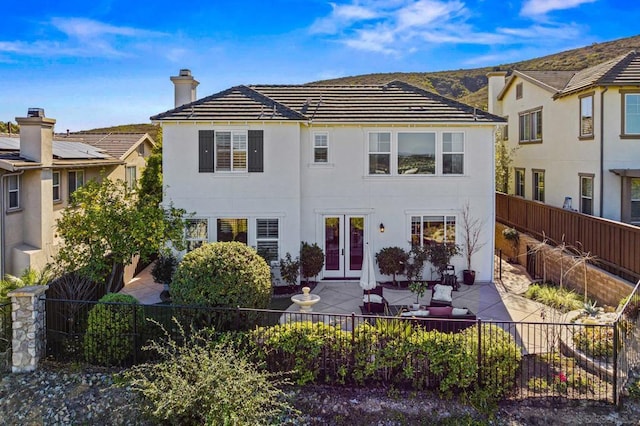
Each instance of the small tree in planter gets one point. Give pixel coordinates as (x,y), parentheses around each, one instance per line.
(311,260)
(440,254)
(290,269)
(471,228)
(162,272)
(414,268)
(392,261)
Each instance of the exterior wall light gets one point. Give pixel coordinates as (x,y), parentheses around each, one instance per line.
(381,227)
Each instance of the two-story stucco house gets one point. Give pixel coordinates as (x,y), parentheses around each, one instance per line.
(340,166)
(39,172)
(578,134)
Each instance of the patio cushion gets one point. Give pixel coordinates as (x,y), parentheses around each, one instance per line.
(440,311)
(419,313)
(459,311)
(442,292)
(372,298)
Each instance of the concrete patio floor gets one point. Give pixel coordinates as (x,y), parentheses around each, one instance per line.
(498,301)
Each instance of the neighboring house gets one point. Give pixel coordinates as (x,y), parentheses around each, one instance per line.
(340,166)
(39,173)
(578,134)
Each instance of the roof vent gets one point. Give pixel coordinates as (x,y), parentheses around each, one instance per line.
(185,72)
(35,112)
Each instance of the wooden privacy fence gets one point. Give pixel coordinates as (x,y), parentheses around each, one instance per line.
(616,245)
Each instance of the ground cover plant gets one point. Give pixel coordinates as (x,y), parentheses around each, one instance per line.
(559,298)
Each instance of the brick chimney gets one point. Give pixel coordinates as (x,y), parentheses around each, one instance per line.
(497,81)
(36,137)
(185,87)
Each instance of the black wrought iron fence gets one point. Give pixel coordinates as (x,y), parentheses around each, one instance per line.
(627,338)
(520,359)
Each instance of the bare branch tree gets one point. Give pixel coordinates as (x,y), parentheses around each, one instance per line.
(471,229)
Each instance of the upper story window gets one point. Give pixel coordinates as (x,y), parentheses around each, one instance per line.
(452,153)
(76,180)
(519,182)
(320,148)
(416,153)
(530,123)
(56,186)
(196,233)
(13,192)
(231,151)
(519,91)
(433,229)
(586,116)
(538,185)
(130,177)
(380,153)
(631,114)
(586,194)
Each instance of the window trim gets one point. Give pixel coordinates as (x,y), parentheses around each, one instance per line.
(519,90)
(586,136)
(389,153)
(529,113)
(591,176)
(314,146)
(523,184)
(535,194)
(447,225)
(17,191)
(259,239)
(75,180)
(204,240)
(233,218)
(395,166)
(131,184)
(623,115)
(443,153)
(216,158)
(54,186)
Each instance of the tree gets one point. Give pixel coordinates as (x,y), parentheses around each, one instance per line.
(311,260)
(471,229)
(392,261)
(504,158)
(151,179)
(104,227)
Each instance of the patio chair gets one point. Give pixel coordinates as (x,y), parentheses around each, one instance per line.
(449,277)
(373,301)
(441,295)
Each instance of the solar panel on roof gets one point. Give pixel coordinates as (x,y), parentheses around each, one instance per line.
(69,150)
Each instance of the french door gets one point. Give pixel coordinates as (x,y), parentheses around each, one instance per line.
(343,245)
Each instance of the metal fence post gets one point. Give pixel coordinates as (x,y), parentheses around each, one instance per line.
(479,321)
(616,338)
(135,333)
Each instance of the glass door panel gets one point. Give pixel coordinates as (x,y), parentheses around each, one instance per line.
(332,244)
(356,242)
(343,246)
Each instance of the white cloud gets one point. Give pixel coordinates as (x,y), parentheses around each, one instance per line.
(541,7)
(541,32)
(342,16)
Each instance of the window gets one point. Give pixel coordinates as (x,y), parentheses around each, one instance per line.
(231,151)
(320,148)
(141,149)
(433,229)
(635,200)
(416,153)
(130,177)
(56,186)
(196,233)
(519,91)
(379,153)
(519,182)
(267,239)
(631,114)
(232,230)
(538,185)
(586,194)
(13,192)
(452,153)
(76,180)
(531,126)
(586,116)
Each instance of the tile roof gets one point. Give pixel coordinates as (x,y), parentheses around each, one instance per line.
(115,144)
(394,102)
(621,71)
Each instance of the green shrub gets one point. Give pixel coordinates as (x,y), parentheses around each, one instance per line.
(299,347)
(163,268)
(200,382)
(562,299)
(226,274)
(290,269)
(311,260)
(111,328)
(595,341)
(392,261)
(500,358)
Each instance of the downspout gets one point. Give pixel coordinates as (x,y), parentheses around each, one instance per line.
(3,185)
(602,150)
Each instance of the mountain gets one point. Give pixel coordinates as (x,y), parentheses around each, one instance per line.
(154,130)
(470,85)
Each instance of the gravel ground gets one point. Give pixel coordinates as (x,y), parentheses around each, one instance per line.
(66,395)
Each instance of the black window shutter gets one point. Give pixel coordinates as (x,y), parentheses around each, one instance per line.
(205,151)
(256,151)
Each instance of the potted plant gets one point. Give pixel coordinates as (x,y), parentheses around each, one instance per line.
(289,270)
(311,260)
(392,261)
(440,254)
(418,288)
(471,228)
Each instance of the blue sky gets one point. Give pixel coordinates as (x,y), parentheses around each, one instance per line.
(108,62)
